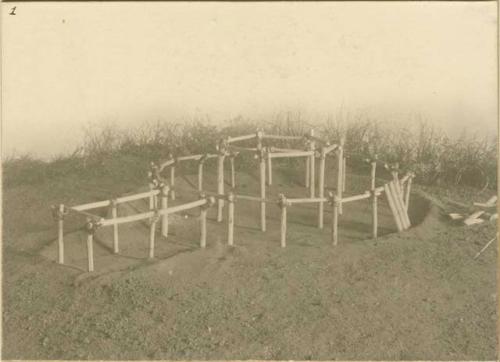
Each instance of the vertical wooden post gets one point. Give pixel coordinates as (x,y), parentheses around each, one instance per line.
(233,180)
(200,175)
(220,184)
(283,203)
(308,170)
(372,174)
(164,206)
(407,194)
(152,234)
(60,233)
(374,214)
(203,225)
(230,219)
(151,198)
(172,181)
(263,156)
(203,219)
(340,177)
(344,172)
(269,170)
(335,219)
(321,187)
(312,164)
(114,215)
(90,227)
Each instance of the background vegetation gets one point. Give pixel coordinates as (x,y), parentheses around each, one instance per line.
(421,147)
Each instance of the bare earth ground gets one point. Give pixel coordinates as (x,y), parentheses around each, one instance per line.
(414,295)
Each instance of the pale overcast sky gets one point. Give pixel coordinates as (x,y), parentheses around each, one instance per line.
(65,65)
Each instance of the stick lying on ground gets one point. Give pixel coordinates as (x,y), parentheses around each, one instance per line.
(485,247)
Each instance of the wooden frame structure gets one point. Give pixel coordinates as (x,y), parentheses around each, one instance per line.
(397,191)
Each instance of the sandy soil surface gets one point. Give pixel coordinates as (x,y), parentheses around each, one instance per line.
(413,295)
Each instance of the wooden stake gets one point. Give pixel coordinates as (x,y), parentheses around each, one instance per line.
(114,215)
(152,232)
(90,226)
(374,214)
(230,219)
(172,182)
(220,185)
(152,197)
(164,206)
(200,176)
(340,162)
(312,164)
(372,174)
(233,180)
(203,225)
(335,220)
(60,233)
(308,170)
(283,204)
(344,173)
(321,187)
(269,171)
(263,190)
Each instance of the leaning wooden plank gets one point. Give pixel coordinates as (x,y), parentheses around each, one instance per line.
(407,194)
(134,197)
(398,200)
(392,206)
(398,203)
(366,195)
(241,138)
(291,154)
(93,205)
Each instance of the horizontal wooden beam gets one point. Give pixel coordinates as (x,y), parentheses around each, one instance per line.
(280,137)
(92,205)
(291,154)
(366,195)
(241,138)
(307,200)
(140,196)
